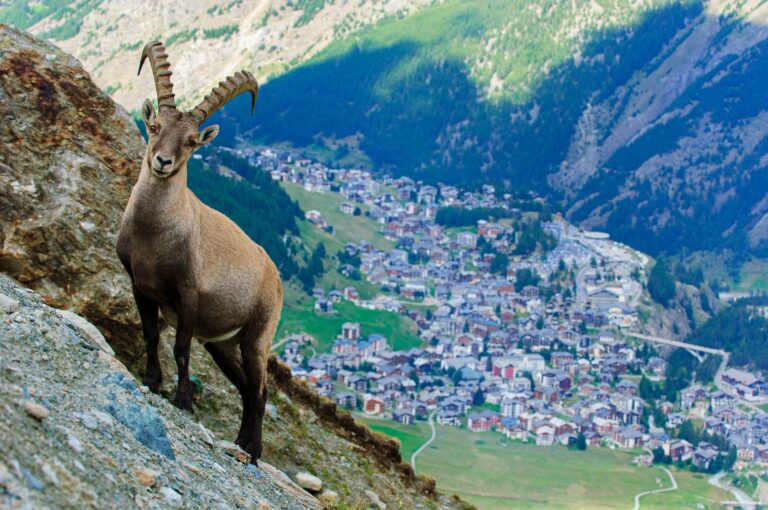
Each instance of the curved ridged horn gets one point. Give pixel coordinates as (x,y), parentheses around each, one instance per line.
(242,81)
(161,70)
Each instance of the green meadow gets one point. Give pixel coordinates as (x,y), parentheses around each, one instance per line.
(495,474)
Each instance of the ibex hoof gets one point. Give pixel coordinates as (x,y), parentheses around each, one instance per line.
(184,403)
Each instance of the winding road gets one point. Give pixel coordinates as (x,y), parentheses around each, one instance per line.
(656,491)
(707,350)
(429,441)
(740,496)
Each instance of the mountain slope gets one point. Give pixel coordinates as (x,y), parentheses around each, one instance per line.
(681,151)
(645,117)
(207,39)
(652,127)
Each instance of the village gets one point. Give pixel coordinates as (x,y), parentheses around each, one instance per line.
(529,343)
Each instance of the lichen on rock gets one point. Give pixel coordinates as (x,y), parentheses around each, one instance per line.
(68,159)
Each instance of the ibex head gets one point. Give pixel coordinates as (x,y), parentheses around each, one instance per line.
(175,135)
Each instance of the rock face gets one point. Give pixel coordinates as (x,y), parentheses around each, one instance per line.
(79,433)
(68,159)
(264,37)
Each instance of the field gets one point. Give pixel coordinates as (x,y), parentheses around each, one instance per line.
(411,437)
(332,279)
(491,476)
(754,275)
(348,228)
(399,329)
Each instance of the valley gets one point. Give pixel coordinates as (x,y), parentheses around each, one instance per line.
(538,472)
(501,369)
(538,229)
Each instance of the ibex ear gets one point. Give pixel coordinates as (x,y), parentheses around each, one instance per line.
(207,135)
(147,111)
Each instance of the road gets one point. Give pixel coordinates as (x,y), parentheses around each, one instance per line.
(280,342)
(708,350)
(656,491)
(740,496)
(429,441)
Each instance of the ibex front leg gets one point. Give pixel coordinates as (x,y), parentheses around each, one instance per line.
(148,311)
(186,312)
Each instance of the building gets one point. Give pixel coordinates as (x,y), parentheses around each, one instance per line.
(483,421)
(350,331)
(373,404)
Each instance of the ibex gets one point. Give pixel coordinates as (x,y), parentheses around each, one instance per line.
(192,263)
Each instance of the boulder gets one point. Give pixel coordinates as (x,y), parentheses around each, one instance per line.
(68,160)
(309,481)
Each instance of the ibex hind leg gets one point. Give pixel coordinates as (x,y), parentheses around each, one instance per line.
(254,348)
(227,357)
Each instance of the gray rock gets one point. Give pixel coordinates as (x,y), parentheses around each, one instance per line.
(36,410)
(74,443)
(172,497)
(376,500)
(309,481)
(8,304)
(88,420)
(89,329)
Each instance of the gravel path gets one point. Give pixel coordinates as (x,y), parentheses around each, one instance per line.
(740,496)
(429,441)
(656,491)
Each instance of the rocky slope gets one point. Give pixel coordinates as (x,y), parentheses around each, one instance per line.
(209,39)
(79,433)
(68,158)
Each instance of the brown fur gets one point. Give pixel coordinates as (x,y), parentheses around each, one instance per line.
(200,270)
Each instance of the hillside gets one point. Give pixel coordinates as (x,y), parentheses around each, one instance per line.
(64,179)
(209,39)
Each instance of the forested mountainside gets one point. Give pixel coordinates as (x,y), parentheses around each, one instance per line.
(645,118)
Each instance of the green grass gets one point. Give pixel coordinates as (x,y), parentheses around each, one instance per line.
(693,490)
(331,278)
(299,316)
(411,437)
(348,228)
(754,275)
(491,476)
